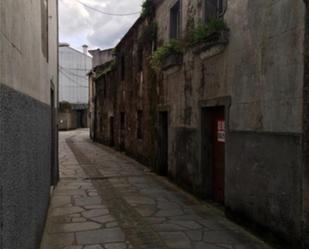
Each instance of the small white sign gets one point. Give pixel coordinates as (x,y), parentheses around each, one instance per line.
(221,131)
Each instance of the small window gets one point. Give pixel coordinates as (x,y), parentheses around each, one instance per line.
(123,65)
(213,9)
(122,121)
(44,27)
(140,133)
(175,21)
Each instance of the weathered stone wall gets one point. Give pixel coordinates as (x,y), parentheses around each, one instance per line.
(306,132)
(261,70)
(128,95)
(67,120)
(257,77)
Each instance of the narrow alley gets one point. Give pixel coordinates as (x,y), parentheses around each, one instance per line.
(107,200)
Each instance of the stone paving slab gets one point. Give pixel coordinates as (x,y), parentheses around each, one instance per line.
(106,200)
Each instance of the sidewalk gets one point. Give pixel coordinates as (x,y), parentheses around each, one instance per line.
(108,201)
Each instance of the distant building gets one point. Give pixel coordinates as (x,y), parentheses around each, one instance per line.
(28,104)
(101,60)
(73,87)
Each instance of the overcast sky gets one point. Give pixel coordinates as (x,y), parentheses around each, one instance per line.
(80,25)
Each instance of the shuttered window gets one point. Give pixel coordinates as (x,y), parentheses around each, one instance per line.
(213,9)
(44,27)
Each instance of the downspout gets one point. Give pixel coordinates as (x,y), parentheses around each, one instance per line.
(57,102)
(305,142)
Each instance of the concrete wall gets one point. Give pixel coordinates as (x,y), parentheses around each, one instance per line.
(100,57)
(27,133)
(261,71)
(72,120)
(67,120)
(111,95)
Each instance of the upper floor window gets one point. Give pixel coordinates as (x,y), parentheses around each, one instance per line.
(213,9)
(44,27)
(175,21)
(122,69)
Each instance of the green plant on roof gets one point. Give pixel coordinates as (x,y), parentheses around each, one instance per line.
(160,55)
(148,8)
(110,67)
(149,33)
(202,31)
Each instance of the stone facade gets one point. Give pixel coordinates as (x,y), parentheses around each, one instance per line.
(253,85)
(28,108)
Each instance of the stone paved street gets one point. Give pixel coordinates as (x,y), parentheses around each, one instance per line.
(106,200)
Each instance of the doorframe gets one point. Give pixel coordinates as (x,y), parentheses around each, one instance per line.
(160,109)
(205,158)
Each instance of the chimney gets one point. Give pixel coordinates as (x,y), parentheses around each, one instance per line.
(85,49)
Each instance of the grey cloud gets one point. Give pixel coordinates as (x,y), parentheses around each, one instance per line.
(79,25)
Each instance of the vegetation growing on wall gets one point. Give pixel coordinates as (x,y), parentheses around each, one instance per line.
(203,31)
(109,67)
(65,106)
(161,54)
(148,9)
(149,33)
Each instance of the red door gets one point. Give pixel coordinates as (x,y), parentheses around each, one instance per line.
(219,155)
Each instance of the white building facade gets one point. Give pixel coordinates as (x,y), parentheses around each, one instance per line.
(73,80)
(73,87)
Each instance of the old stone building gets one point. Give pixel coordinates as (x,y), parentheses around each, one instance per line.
(28,102)
(212,94)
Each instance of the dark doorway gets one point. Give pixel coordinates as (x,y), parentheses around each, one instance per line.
(163,143)
(80,115)
(54,172)
(213,151)
(122,130)
(111,131)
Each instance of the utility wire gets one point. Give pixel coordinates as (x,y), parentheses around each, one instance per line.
(107,13)
(71,79)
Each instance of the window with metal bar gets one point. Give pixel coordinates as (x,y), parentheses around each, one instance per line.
(175,21)
(213,9)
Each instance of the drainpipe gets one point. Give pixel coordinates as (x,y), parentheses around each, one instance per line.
(306,131)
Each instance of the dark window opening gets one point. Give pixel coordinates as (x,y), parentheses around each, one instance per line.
(122,121)
(44,27)
(213,9)
(140,59)
(175,21)
(104,89)
(140,133)
(122,70)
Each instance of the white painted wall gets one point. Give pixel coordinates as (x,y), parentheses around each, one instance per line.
(23,66)
(73,79)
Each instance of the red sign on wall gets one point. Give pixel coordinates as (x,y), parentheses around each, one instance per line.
(221,131)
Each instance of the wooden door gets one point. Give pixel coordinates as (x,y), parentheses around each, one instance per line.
(163,143)
(218,154)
